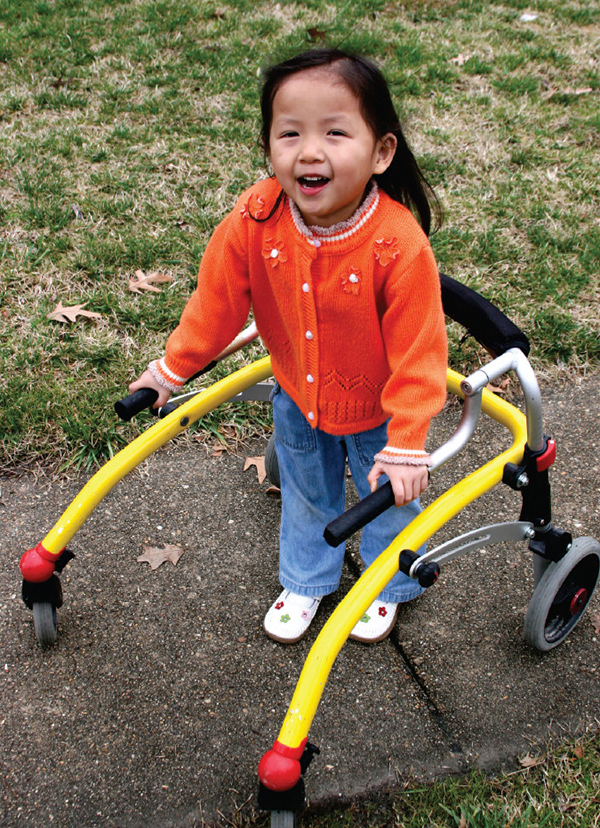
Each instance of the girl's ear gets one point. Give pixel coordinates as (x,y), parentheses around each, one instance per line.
(386,149)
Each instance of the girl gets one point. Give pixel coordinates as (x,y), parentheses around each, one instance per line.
(346,296)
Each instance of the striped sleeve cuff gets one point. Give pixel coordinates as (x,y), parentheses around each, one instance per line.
(164,376)
(403,457)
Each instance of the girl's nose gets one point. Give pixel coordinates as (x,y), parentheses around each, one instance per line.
(311,150)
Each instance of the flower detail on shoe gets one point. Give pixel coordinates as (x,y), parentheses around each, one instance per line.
(377,622)
(386,250)
(291,625)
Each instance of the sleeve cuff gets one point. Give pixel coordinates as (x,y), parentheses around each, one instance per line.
(164,377)
(403,457)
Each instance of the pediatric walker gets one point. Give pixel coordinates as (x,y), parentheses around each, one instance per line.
(566,571)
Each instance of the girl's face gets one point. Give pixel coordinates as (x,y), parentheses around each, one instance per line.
(322,150)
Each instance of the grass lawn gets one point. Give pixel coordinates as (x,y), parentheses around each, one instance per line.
(129,127)
(554,790)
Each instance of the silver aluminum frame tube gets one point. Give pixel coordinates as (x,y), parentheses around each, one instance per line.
(513,360)
(472,387)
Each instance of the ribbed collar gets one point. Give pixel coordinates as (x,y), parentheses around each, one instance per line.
(317,236)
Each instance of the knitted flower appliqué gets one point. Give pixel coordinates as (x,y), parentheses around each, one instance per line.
(254,207)
(351,281)
(274,252)
(386,250)
(382,612)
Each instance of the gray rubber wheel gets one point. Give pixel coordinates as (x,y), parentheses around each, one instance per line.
(271,464)
(44,623)
(283,819)
(562,595)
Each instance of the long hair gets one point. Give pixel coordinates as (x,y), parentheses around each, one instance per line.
(403,179)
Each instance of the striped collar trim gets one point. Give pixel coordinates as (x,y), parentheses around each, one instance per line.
(342,230)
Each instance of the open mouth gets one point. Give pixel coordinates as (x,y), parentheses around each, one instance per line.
(312,182)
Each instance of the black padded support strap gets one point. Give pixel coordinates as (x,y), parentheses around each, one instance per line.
(490,327)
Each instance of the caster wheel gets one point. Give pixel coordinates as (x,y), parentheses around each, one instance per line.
(271,464)
(44,622)
(283,819)
(562,595)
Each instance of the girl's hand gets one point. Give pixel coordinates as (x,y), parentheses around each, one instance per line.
(408,482)
(148,381)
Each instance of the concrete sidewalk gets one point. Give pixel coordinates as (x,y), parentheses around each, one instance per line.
(163,692)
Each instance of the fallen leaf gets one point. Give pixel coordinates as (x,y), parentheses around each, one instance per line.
(529,761)
(316,34)
(565,805)
(460,60)
(155,556)
(70,314)
(463,821)
(259,462)
(145,282)
(578,752)
(499,389)
(595,619)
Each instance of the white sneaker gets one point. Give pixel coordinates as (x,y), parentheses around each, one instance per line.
(377,622)
(290,617)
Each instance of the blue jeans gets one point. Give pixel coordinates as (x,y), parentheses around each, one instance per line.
(312,468)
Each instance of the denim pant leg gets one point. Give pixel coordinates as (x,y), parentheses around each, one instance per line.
(379,533)
(312,472)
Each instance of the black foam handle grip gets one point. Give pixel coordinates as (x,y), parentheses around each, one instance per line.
(358,516)
(129,406)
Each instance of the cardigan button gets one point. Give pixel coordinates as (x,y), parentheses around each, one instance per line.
(310,378)
(305,287)
(308,335)
(311,415)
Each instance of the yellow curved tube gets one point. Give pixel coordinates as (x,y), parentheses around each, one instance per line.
(334,634)
(143,446)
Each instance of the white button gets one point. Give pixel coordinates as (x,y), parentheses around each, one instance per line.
(309,335)
(353,278)
(310,378)
(275,253)
(316,243)
(305,287)
(311,416)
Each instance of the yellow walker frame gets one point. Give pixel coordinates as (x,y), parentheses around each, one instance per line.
(558,561)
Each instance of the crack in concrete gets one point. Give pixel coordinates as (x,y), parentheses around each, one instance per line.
(436,714)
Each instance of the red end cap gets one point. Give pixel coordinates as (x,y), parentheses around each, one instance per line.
(37,564)
(545,460)
(279,769)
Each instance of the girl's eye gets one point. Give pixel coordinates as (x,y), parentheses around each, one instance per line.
(289,134)
(337,132)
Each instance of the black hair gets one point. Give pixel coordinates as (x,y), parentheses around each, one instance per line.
(403,180)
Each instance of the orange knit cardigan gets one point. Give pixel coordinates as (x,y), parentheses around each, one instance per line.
(351,315)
